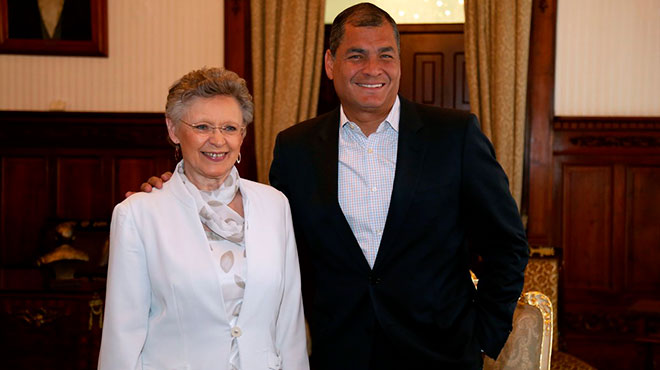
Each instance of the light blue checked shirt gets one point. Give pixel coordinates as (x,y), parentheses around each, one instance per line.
(366,177)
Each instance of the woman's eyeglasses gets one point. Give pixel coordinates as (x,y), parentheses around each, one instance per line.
(207,129)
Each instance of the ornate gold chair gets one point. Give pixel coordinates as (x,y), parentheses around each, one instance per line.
(542,274)
(529,346)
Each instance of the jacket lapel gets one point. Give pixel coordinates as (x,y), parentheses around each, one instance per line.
(327,157)
(410,155)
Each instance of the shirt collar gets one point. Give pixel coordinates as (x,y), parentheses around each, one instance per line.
(392,117)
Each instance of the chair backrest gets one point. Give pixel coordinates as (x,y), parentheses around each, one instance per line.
(529,346)
(542,275)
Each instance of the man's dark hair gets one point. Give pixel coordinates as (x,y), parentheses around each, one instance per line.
(360,15)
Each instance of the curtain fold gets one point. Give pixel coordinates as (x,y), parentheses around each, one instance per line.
(287,52)
(496,51)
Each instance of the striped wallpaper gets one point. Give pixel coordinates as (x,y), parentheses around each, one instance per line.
(608,58)
(151,43)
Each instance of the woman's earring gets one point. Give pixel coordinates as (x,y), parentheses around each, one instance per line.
(177,152)
(239,158)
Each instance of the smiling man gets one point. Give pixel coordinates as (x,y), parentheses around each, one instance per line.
(386,195)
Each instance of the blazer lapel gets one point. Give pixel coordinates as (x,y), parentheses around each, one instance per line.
(327,157)
(410,155)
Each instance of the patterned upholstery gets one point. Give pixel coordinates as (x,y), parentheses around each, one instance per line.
(529,345)
(542,274)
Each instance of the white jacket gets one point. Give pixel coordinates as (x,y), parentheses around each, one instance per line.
(164,306)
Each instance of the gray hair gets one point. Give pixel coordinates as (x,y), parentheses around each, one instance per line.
(360,15)
(207,83)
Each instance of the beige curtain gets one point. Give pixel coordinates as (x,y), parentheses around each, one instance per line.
(287,52)
(496,53)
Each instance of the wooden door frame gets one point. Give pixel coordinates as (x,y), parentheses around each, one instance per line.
(538,180)
(238,58)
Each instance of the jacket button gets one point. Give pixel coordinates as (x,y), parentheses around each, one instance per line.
(373,280)
(236,332)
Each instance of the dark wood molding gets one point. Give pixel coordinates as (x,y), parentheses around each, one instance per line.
(616,141)
(431,28)
(537,193)
(238,58)
(606,136)
(564,123)
(23,129)
(235,6)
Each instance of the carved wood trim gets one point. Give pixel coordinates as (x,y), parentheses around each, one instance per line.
(615,141)
(82,130)
(606,123)
(614,323)
(606,135)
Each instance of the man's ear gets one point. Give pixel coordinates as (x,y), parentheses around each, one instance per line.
(329,64)
(171,130)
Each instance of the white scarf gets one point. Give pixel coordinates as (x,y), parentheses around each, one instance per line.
(213,206)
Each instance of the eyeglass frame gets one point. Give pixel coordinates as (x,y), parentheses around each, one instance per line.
(223,132)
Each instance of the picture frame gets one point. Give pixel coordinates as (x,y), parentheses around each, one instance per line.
(79,29)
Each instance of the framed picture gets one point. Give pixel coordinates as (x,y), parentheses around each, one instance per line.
(54,27)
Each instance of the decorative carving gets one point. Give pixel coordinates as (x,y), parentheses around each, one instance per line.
(601,323)
(606,124)
(95,309)
(542,274)
(38,317)
(543,304)
(616,141)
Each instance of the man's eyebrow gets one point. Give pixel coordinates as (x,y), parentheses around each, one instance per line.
(356,50)
(386,49)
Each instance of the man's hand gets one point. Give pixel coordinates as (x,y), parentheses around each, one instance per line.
(154,181)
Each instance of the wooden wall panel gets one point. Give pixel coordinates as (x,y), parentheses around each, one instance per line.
(587,219)
(606,183)
(130,174)
(433,65)
(461,94)
(58,165)
(82,188)
(428,73)
(642,241)
(609,354)
(24,203)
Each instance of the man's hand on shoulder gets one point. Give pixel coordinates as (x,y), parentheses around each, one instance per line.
(153,182)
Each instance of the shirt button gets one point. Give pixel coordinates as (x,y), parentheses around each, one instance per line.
(374,189)
(370,150)
(236,332)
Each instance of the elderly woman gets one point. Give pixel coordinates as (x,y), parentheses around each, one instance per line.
(203,274)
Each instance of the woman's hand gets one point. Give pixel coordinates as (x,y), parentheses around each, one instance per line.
(154,181)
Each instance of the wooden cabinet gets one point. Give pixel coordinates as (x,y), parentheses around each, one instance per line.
(50,330)
(57,166)
(607,201)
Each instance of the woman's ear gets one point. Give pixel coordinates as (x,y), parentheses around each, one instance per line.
(171,130)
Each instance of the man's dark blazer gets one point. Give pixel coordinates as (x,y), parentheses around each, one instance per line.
(449,191)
